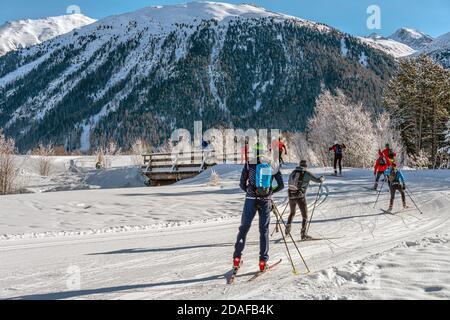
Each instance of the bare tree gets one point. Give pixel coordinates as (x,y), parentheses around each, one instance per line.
(113,149)
(8,172)
(139,147)
(214,179)
(100,161)
(45,162)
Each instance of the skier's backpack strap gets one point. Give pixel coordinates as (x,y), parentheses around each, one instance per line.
(394,178)
(295,180)
(263,179)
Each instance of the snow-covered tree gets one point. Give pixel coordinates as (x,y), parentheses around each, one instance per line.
(8,172)
(386,132)
(336,119)
(301,149)
(444,152)
(447,137)
(418,99)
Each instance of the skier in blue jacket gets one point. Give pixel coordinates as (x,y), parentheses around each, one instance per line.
(256,200)
(396,181)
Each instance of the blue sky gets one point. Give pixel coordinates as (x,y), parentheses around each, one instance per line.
(430,16)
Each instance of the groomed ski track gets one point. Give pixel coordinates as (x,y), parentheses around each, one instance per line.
(191,261)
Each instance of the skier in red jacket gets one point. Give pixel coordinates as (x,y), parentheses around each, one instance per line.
(381,165)
(279,145)
(388,153)
(244,152)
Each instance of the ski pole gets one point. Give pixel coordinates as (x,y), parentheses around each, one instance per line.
(314,208)
(381,188)
(409,195)
(275,211)
(277,224)
(295,244)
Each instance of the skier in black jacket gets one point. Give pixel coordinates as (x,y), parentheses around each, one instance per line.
(338,150)
(299,181)
(256,202)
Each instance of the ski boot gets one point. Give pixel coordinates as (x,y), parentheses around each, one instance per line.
(263,266)
(405,206)
(375,186)
(237,263)
(303,235)
(288,229)
(390,209)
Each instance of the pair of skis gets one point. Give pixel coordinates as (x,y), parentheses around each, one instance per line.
(232,278)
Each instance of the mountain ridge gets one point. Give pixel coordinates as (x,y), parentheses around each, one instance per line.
(129,76)
(28,32)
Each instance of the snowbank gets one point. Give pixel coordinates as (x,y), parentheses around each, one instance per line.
(78,173)
(151,243)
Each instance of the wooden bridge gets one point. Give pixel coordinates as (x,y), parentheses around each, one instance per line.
(168,168)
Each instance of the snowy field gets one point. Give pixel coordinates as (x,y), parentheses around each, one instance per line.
(176,242)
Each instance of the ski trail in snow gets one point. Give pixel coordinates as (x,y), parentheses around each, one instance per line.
(400,256)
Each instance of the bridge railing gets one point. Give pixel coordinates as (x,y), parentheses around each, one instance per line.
(188,161)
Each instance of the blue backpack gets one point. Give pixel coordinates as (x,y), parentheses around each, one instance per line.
(263,179)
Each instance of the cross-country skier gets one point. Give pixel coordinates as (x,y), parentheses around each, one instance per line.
(278,145)
(299,181)
(338,152)
(396,181)
(256,181)
(380,167)
(388,152)
(244,152)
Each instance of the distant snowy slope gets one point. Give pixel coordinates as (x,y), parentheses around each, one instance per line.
(392,47)
(24,33)
(412,38)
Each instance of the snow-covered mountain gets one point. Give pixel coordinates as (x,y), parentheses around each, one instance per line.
(390,46)
(144,73)
(412,38)
(439,50)
(407,42)
(24,33)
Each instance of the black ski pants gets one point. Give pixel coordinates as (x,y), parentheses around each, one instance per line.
(295,201)
(393,189)
(337,159)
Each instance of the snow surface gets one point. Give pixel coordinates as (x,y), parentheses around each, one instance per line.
(176,242)
(25,33)
(392,47)
(344,49)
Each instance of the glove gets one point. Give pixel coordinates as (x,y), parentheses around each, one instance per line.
(374,173)
(404,187)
